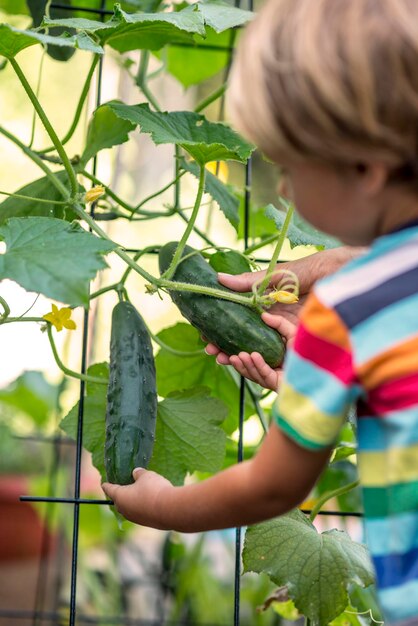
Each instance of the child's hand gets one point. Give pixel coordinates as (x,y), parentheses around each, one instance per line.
(144,501)
(283,318)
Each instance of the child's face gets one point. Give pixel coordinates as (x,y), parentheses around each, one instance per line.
(332,201)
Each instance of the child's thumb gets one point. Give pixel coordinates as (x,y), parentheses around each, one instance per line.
(137,472)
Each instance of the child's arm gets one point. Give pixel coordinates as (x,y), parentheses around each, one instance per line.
(276,480)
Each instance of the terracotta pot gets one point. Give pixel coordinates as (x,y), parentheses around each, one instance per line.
(21,528)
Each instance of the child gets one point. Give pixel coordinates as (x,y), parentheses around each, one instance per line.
(329,90)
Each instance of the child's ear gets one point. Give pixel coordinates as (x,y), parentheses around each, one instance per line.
(372,177)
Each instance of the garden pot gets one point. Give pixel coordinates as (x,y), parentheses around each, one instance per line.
(21,527)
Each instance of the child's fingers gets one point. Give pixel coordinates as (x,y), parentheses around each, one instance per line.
(284,326)
(270,376)
(211,349)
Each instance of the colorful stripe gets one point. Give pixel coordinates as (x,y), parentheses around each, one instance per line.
(357,309)
(396,394)
(394,534)
(400,360)
(368,271)
(388,467)
(385,329)
(396,569)
(384,501)
(400,602)
(321,321)
(304,417)
(399,428)
(325,355)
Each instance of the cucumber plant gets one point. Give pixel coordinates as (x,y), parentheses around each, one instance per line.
(50,218)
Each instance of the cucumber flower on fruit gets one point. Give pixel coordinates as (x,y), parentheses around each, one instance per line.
(60,318)
(94,193)
(219,169)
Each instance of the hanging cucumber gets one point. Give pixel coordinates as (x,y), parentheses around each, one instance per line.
(231,326)
(131,397)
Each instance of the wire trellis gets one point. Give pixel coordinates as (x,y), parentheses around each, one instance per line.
(38,615)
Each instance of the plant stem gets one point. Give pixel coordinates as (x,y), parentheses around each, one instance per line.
(85,377)
(158,193)
(162,282)
(179,250)
(9,320)
(331,494)
(6,311)
(79,109)
(260,244)
(196,229)
(38,87)
(210,98)
(22,197)
(48,127)
(141,80)
(39,162)
(109,192)
(271,267)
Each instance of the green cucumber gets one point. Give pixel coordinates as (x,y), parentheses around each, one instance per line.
(231,326)
(131,410)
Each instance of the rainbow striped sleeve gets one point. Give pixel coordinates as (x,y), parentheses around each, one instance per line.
(319,381)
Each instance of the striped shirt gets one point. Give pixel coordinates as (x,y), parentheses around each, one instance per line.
(357,342)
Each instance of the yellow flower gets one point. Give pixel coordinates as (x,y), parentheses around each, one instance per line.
(94,193)
(285,297)
(219,169)
(60,318)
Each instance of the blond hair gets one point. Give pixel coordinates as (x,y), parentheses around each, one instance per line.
(330,80)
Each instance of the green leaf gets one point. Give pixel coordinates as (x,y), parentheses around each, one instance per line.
(221,16)
(300,233)
(317,568)
(52,257)
(105,130)
(188,435)
(229,262)
(336,475)
(13,40)
(182,372)
(14,7)
(43,189)
(192,65)
(221,193)
(93,419)
(37,10)
(259,225)
(205,141)
(135,31)
(31,394)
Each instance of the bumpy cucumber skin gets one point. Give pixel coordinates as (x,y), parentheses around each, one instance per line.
(131,410)
(231,326)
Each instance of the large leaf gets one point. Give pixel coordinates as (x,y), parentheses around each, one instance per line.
(192,65)
(14,7)
(31,394)
(152,31)
(13,40)
(183,372)
(221,16)
(52,257)
(229,262)
(205,141)
(44,190)
(105,130)
(134,31)
(188,435)
(317,568)
(221,193)
(300,233)
(37,10)
(93,417)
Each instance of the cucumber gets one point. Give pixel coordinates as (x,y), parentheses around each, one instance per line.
(131,409)
(231,326)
